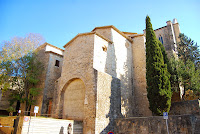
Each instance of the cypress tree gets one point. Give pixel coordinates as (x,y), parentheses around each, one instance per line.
(171,69)
(158,83)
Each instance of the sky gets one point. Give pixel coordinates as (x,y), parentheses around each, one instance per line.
(58,21)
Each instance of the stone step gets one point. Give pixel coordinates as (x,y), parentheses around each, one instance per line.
(38,125)
(78,127)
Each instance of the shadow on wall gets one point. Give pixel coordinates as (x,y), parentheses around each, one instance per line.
(60,114)
(127,87)
(115,98)
(115,106)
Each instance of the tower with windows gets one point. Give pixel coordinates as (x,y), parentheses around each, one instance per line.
(168,36)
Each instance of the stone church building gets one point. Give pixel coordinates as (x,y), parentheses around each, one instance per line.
(99,76)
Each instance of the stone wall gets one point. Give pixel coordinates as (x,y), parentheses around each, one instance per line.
(52,74)
(141,103)
(44,59)
(176,31)
(187,124)
(78,63)
(119,64)
(170,38)
(100,55)
(123,63)
(108,103)
(185,107)
(164,33)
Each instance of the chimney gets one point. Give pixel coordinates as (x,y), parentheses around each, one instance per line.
(175,21)
(169,22)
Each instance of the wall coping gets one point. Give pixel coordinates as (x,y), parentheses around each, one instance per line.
(129,118)
(113,27)
(85,34)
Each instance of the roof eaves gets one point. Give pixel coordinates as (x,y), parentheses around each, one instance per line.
(79,34)
(103,37)
(83,34)
(54,53)
(137,35)
(128,33)
(102,27)
(45,44)
(113,27)
(41,46)
(160,28)
(55,47)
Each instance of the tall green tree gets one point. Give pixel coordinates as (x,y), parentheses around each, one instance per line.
(158,83)
(174,76)
(20,69)
(188,50)
(186,69)
(189,76)
(171,69)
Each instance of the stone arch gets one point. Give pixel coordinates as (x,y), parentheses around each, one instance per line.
(73,96)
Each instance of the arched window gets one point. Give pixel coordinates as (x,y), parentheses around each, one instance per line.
(161,39)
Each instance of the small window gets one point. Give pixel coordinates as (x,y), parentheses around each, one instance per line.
(161,39)
(104,48)
(57,63)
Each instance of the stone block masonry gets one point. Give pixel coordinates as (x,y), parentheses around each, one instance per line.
(141,104)
(78,76)
(103,77)
(186,124)
(108,103)
(185,107)
(98,66)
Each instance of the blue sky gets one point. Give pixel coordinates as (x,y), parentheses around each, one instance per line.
(58,21)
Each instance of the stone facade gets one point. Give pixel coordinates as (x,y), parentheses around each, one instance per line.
(139,76)
(78,64)
(47,55)
(119,64)
(101,80)
(52,72)
(101,77)
(108,103)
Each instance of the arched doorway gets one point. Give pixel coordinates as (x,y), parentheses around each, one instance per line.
(74,96)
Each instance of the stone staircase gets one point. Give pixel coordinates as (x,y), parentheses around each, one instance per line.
(40,125)
(78,127)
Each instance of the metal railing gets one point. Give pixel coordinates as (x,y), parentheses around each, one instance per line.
(30,113)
